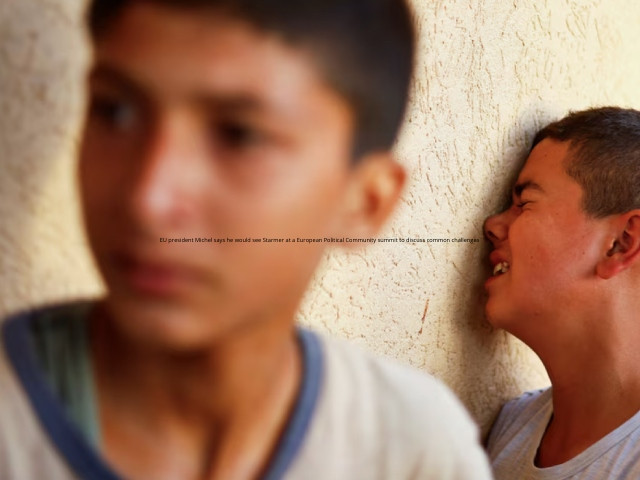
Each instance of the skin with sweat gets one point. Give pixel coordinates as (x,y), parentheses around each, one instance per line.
(567,293)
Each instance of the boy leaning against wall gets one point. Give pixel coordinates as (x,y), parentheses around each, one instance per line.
(566,275)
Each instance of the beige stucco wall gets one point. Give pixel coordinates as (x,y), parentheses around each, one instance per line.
(489,73)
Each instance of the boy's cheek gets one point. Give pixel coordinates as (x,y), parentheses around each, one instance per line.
(277,269)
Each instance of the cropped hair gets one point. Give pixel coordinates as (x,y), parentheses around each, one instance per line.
(604,157)
(364,49)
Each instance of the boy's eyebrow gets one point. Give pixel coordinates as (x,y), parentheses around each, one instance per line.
(528,184)
(238,102)
(113,75)
(226,102)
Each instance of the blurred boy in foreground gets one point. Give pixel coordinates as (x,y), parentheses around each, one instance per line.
(228,120)
(565,281)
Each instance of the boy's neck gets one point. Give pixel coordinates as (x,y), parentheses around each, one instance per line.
(210,414)
(596,388)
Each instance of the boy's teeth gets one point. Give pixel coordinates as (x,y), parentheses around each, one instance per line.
(502,267)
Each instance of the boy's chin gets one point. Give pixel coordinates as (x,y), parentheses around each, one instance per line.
(165,327)
(494,316)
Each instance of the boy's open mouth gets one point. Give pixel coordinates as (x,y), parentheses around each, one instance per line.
(500,268)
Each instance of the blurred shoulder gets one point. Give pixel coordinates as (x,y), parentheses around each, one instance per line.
(387,420)
(25,450)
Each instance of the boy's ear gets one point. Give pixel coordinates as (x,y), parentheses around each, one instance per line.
(372,194)
(624,248)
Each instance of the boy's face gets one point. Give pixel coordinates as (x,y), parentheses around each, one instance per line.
(550,244)
(200,126)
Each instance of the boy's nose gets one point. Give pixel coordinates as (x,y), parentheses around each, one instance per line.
(496,227)
(169,177)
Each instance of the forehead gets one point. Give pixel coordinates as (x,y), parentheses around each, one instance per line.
(545,167)
(173,53)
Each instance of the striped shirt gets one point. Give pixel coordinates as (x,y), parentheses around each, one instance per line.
(517,433)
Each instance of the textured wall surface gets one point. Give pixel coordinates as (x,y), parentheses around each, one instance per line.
(42,60)
(489,73)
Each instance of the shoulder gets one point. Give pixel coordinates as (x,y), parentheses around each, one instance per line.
(25,451)
(529,399)
(521,409)
(524,412)
(406,422)
(400,390)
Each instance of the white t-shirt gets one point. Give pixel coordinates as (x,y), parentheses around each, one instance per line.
(356,417)
(517,433)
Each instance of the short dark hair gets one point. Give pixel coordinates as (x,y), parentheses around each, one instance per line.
(363,48)
(604,156)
